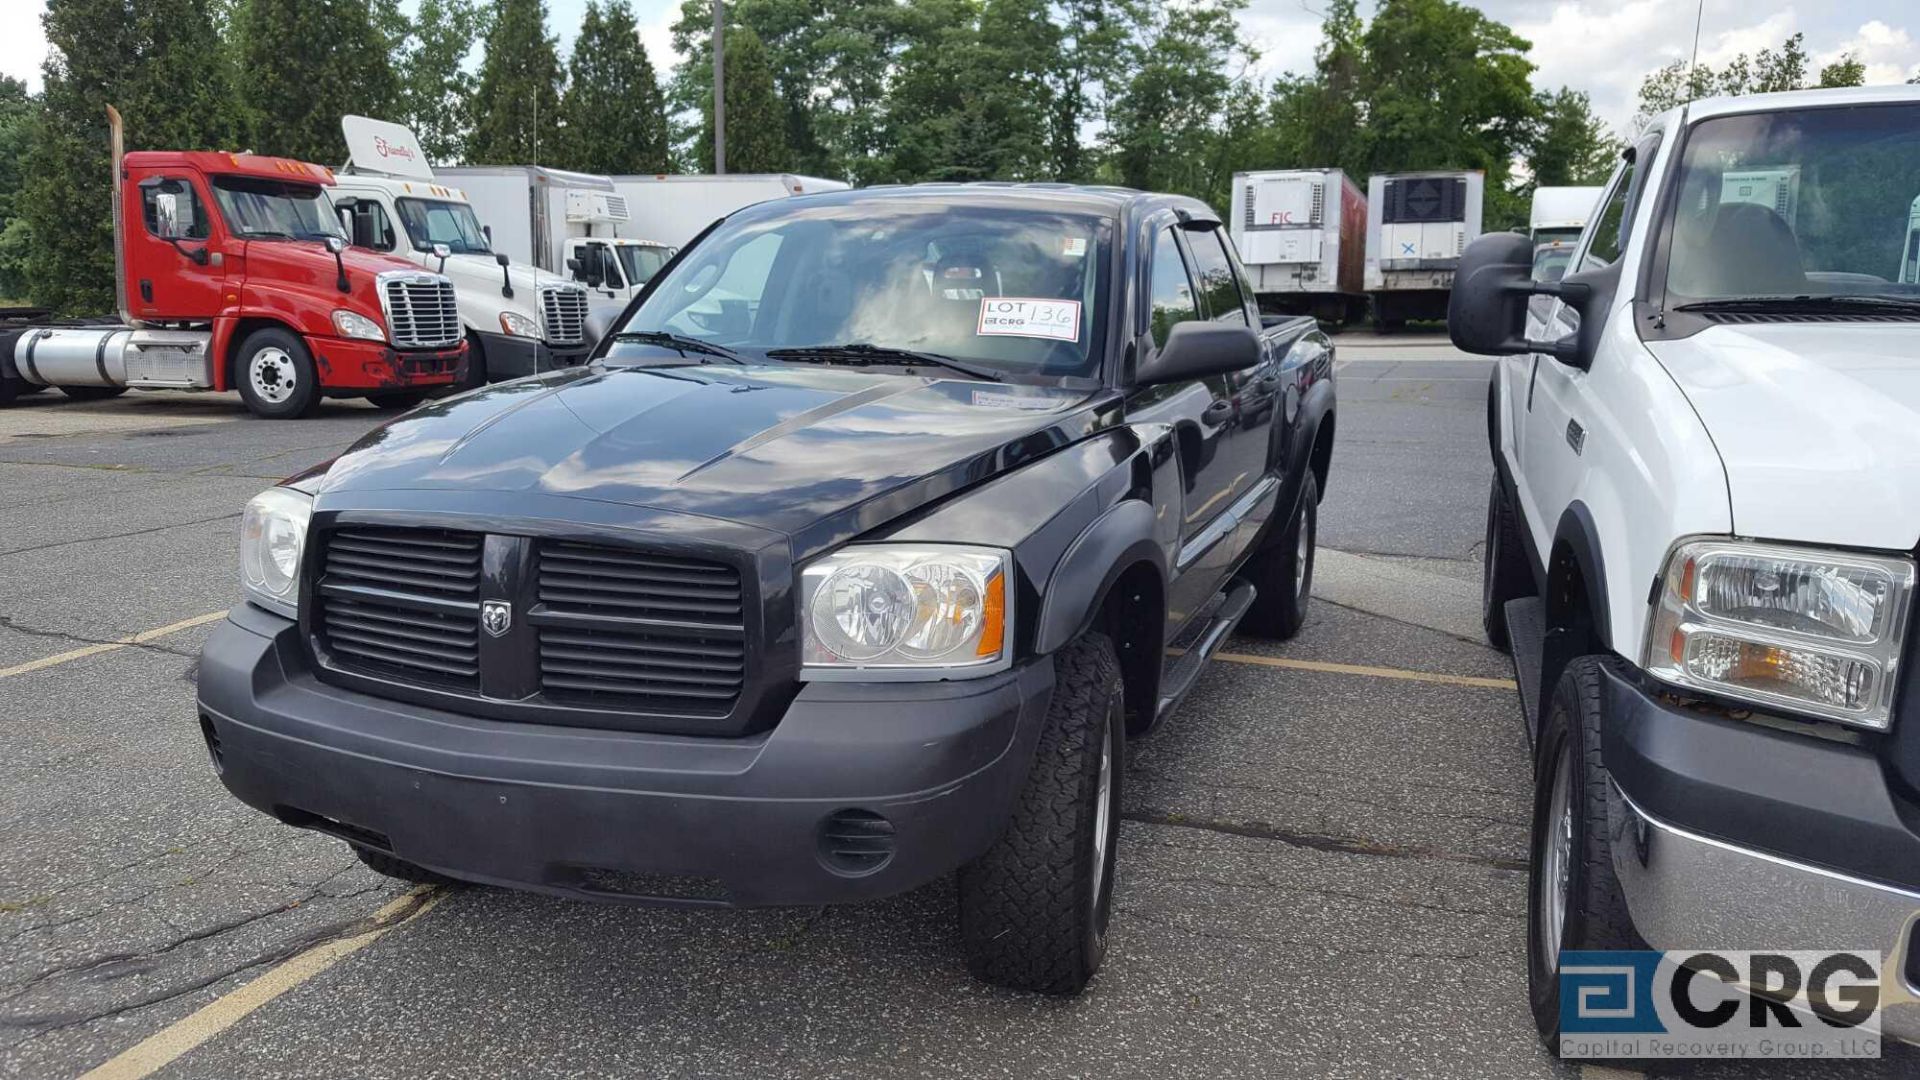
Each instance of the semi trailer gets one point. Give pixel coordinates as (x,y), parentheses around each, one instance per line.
(672,209)
(1418,223)
(231,272)
(517,318)
(1302,234)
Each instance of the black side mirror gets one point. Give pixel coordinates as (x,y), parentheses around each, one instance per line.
(506,279)
(1197,349)
(338,244)
(573,267)
(1487,309)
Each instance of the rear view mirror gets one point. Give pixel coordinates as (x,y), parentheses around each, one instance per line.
(1487,309)
(166,216)
(1197,349)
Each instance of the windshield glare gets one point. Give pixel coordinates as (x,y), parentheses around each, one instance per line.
(641,263)
(430,222)
(274,209)
(1019,291)
(1819,202)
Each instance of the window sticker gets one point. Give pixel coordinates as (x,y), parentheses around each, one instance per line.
(1015,316)
(1073,246)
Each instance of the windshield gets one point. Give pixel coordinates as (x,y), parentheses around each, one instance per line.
(1807,202)
(1018,291)
(275,209)
(429,222)
(641,263)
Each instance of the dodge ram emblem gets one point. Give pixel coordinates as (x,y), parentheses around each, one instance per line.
(496,616)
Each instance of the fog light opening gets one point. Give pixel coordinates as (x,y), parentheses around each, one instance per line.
(856,842)
(213,746)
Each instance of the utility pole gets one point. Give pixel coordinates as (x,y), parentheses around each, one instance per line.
(719,88)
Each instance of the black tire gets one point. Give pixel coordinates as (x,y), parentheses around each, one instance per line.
(382,863)
(473,374)
(1504,574)
(1034,909)
(92,393)
(1596,910)
(275,375)
(1282,572)
(397,400)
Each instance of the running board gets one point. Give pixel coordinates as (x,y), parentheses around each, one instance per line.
(1227,610)
(1526,635)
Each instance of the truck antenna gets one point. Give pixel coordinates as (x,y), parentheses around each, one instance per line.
(1693,62)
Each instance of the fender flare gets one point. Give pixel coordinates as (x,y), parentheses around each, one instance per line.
(1117,539)
(1578,533)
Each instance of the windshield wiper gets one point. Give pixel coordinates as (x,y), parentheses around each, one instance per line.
(863,353)
(267,234)
(1806,303)
(679,343)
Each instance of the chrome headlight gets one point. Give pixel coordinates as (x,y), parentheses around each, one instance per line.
(1799,629)
(352,324)
(519,325)
(272,533)
(906,611)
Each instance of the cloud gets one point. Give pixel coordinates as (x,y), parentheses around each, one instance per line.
(23,41)
(1890,53)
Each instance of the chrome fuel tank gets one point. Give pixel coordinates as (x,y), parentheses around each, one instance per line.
(73,356)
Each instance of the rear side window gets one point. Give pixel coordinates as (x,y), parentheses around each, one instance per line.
(1610,229)
(1173,296)
(371,226)
(1218,283)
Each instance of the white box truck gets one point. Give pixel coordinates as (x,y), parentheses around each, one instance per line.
(1418,223)
(1302,236)
(1554,222)
(673,209)
(518,318)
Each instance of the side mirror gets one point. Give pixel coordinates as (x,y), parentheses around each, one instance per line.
(501,258)
(335,244)
(347,225)
(441,251)
(1196,349)
(506,279)
(1487,309)
(487,230)
(573,267)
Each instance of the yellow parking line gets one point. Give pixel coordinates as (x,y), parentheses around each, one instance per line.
(109,646)
(1368,670)
(167,1045)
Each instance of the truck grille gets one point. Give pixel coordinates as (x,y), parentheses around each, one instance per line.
(639,630)
(563,314)
(421,310)
(402,604)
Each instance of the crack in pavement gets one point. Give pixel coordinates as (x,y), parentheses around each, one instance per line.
(1345,845)
(8,622)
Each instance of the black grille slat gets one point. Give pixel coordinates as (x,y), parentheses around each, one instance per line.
(402,603)
(571,682)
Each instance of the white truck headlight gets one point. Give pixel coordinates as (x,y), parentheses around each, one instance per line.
(518,325)
(906,611)
(273,532)
(1800,629)
(352,324)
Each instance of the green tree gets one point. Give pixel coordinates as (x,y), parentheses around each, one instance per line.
(756,128)
(615,117)
(147,59)
(1165,125)
(1846,71)
(436,90)
(17,110)
(517,106)
(1765,72)
(304,65)
(1317,120)
(974,98)
(1570,145)
(1090,67)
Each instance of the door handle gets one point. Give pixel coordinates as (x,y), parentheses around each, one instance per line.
(1218,412)
(146,290)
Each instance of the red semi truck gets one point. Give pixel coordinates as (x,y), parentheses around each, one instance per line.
(232,273)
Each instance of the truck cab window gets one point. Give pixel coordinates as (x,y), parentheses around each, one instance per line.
(1608,234)
(1171,292)
(430,222)
(371,226)
(1217,280)
(172,210)
(275,209)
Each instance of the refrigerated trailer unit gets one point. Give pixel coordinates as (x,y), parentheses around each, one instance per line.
(672,209)
(1418,223)
(1301,234)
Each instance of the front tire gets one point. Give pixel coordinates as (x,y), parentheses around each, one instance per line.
(1034,909)
(1282,574)
(276,376)
(1574,901)
(1503,572)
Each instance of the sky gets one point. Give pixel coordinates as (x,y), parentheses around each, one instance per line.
(1604,47)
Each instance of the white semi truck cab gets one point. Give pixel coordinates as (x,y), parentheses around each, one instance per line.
(519,319)
(1702,536)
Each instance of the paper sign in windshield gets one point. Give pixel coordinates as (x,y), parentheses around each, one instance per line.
(1013,316)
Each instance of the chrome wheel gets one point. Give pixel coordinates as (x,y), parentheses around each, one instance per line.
(1302,552)
(1103,812)
(1556,863)
(272,374)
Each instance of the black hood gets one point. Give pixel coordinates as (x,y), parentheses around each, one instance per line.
(820,454)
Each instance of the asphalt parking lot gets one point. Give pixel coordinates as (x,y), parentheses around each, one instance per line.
(1322,872)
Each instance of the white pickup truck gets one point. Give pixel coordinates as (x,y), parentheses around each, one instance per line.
(1701,539)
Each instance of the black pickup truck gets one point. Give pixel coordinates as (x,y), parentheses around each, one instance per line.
(855,557)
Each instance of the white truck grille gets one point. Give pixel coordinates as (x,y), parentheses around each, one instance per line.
(563,315)
(421,310)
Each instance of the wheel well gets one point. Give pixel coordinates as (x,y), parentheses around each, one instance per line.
(1569,615)
(1133,616)
(1321,459)
(243,329)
